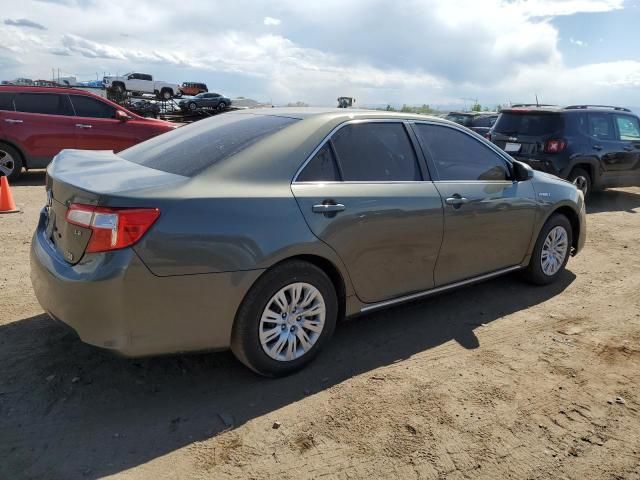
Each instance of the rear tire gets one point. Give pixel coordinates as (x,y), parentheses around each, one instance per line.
(10,162)
(261,324)
(551,252)
(581,179)
(166,94)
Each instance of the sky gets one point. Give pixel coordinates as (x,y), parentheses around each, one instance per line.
(436,52)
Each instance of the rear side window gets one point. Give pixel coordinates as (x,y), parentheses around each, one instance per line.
(461,119)
(460,157)
(533,124)
(44,103)
(6,101)
(90,107)
(371,152)
(189,150)
(322,168)
(601,126)
(628,127)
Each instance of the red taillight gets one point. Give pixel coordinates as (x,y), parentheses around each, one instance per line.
(112,228)
(554,146)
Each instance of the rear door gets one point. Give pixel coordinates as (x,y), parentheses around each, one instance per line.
(488,218)
(628,133)
(97,128)
(606,143)
(365,194)
(41,126)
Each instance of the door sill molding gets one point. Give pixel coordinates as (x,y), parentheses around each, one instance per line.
(433,291)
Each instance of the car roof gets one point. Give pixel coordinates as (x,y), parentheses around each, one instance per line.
(337,114)
(571,109)
(36,89)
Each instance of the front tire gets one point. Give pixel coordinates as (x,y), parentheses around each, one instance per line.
(551,252)
(166,94)
(192,106)
(222,106)
(10,162)
(286,318)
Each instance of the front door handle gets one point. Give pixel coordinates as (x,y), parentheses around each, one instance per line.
(597,147)
(628,149)
(83,125)
(328,208)
(456,201)
(12,120)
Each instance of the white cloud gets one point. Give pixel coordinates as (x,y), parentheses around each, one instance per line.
(429,51)
(270,21)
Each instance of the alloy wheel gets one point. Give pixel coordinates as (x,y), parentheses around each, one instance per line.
(292,321)
(7,163)
(554,251)
(582,183)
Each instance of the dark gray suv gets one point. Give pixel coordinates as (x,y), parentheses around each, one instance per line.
(258,230)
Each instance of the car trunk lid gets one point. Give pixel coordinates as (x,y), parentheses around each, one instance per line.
(94,178)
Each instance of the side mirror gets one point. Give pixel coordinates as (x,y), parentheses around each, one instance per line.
(122,116)
(522,171)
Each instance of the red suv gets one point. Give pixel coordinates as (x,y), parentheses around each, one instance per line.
(37,122)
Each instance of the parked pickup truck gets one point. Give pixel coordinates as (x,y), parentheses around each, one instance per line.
(143,83)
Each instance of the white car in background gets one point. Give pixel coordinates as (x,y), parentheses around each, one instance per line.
(143,83)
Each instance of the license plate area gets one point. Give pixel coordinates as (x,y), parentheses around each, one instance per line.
(511,147)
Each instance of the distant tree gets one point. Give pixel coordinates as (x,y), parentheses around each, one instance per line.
(390,108)
(297,104)
(476,107)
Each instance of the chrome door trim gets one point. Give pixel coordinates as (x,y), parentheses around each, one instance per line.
(433,291)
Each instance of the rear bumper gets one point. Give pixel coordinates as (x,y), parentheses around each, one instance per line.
(113,301)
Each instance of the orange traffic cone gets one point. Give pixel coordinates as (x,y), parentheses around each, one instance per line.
(7,205)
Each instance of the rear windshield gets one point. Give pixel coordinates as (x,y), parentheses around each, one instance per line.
(189,150)
(528,123)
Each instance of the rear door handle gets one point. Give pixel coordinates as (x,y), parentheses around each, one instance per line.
(328,208)
(597,147)
(12,120)
(628,149)
(83,125)
(456,201)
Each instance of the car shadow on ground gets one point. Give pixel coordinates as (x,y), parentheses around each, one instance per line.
(69,410)
(613,201)
(31,178)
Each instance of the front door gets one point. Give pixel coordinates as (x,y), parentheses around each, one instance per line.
(367,196)
(488,218)
(97,128)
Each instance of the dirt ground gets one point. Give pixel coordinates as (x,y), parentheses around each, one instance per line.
(498,380)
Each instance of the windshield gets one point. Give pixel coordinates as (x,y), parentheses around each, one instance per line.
(528,123)
(189,150)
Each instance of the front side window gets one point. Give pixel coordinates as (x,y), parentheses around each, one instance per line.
(601,126)
(90,107)
(322,168)
(628,128)
(460,157)
(43,103)
(374,152)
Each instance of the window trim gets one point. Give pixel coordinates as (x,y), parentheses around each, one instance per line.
(420,158)
(435,176)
